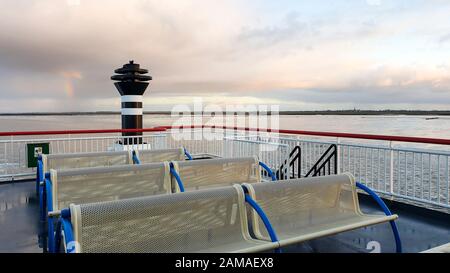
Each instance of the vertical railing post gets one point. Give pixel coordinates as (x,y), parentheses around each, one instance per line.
(336,169)
(338,154)
(70,143)
(11,159)
(391,176)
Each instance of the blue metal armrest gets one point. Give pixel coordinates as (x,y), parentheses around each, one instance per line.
(264,218)
(177,177)
(39,173)
(49,208)
(42,205)
(136,159)
(189,157)
(65,225)
(43,197)
(269,171)
(398,242)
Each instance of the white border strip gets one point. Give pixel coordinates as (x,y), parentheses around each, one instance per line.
(132,111)
(132,98)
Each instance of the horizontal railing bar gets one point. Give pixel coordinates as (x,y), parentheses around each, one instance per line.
(80,138)
(421,151)
(367,146)
(17,175)
(81,132)
(326,134)
(285,138)
(399,149)
(256,142)
(415,199)
(282,131)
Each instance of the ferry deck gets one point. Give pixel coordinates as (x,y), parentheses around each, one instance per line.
(411,175)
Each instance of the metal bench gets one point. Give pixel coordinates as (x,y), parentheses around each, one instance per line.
(199,174)
(79,160)
(305,209)
(98,159)
(103,159)
(215,220)
(88,185)
(210,220)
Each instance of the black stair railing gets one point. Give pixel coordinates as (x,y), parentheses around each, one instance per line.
(327,163)
(294,163)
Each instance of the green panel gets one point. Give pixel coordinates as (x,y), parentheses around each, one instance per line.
(33,150)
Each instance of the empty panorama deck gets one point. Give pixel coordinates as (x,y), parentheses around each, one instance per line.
(419,228)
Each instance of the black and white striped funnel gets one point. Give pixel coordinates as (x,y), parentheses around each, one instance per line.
(131,83)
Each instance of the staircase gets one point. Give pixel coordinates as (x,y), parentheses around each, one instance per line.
(294,165)
(291,167)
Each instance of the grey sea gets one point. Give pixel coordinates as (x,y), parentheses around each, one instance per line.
(419,126)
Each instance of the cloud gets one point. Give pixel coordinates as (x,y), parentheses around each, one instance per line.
(64,54)
(291,29)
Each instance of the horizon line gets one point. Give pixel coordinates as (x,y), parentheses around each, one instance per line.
(287,112)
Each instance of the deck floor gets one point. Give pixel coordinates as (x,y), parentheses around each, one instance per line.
(19,218)
(419,230)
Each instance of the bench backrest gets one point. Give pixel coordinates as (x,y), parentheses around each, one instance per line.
(181,222)
(300,204)
(85,160)
(87,185)
(148,156)
(198,174)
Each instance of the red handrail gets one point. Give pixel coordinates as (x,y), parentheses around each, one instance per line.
(281,131)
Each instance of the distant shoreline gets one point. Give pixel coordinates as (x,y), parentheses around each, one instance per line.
(325,112)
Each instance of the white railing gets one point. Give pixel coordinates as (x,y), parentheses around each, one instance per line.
(226,143)
(418,175)
(414,174)
(14,161)
(13,152)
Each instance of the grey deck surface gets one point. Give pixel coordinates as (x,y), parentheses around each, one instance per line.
(19,227)
(19,221)
(419,230)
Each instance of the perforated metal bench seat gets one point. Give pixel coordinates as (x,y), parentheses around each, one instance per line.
(104,159)
(210,220)
(85,160)
(199,174)
(149,156)
(305,209)
(86,185)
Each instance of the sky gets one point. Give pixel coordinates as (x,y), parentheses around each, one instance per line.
(58,55)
